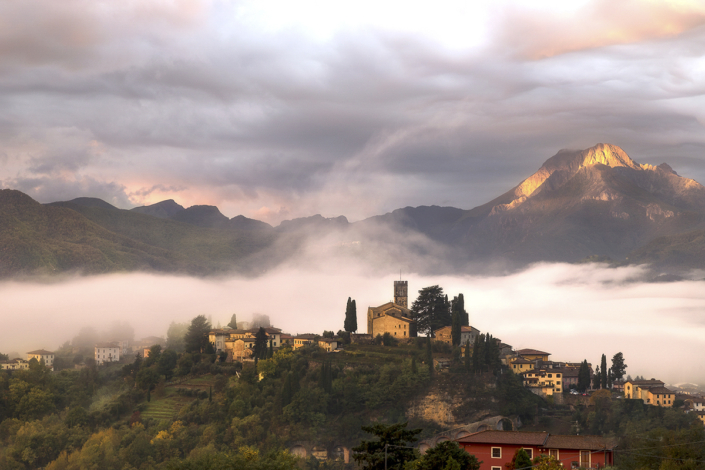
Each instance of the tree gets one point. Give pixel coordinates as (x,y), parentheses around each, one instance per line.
(521,460)
(456,322)
(167,363)
(175,336)
(395,438)
(4,357)
(233,322)
(444,454)
(583,377)
(196,339)
(431,310)
(603,371)
(260,348)
(350,323)
(618,366)
(547,462)
(468,359)
(597,378)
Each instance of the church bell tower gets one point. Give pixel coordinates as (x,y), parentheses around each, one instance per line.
(401,293)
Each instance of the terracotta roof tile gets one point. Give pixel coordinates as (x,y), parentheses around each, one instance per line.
(506,437)
(580,442)
(534,352)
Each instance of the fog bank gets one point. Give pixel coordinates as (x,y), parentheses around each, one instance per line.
(574,312)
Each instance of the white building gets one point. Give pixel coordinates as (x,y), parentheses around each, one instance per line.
(107,352)
(42,354)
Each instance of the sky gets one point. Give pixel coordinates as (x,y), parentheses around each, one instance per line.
(276,109)
(574,312)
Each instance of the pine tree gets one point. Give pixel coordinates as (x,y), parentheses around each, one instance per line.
(603,372)
(196,338)
(233,322)
(618,366)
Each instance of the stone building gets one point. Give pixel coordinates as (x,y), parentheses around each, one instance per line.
(393,317)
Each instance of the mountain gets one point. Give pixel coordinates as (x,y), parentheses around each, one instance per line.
(592,204)
(164,209)
(580,203)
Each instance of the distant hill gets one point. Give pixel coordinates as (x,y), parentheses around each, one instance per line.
(592,204)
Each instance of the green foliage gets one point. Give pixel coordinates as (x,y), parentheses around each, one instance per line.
(350,323)
(196,339)
(431,310)
(603,371)
(447,455)
(459,318)
(397,441)
(429,355)
(233,322)
(260,348)
(583,377)
(619,368)
(521,460)
(175,336)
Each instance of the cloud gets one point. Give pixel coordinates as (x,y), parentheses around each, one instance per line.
(575,312)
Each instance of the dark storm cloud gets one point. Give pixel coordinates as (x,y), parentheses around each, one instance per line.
(175,96)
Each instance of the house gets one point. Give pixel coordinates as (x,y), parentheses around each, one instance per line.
(570,377)
(701,416)
(694,404)
(495,449)
(329,344)
(42,355)
(544,383)
(467,333)
(14,364)
(303,340)
(220,337)
(107,352)
(393,317)
(533,354)
(519,365)
(286,339)
(651,392)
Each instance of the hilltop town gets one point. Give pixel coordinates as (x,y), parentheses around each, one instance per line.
(420,362)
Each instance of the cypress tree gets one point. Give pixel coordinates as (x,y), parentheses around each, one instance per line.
(286,393)
(149,393)
(455,328)
(350,324)
(597,379)
(353,322)
(413,365)
(584,376)
(271,350)
(478,353)
(464,316)
(603,371)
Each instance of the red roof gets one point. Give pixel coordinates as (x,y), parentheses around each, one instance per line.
(580,442)
(532,352)
(506,437)
(42,352)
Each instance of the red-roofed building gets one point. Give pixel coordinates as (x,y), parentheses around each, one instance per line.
(497,448)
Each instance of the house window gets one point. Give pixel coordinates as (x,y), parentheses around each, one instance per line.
(530,452)
(496,468)
(496,452)
(554,453)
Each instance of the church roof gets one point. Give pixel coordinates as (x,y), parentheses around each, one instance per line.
(389,306)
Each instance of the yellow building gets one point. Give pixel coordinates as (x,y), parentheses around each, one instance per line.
(42,354)
(519,365)
(221,337)
(328,344)
(393,317)
(14,364)
(651,392)
(467,334)
(543,382)
(303,340)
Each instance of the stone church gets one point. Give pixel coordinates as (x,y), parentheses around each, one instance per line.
(395,317)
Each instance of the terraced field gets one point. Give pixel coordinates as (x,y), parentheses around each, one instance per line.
(167,407)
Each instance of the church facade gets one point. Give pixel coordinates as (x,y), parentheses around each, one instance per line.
(395,317)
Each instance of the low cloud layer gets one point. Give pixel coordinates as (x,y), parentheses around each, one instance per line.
(275,109)
(575,312)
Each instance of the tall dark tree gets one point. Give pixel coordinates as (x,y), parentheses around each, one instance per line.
(260,348)
(350,324)
(478,354)
(196,339)
(597,379)
(456,322)
(618,366)
(398,443)
(431,310)
(233,322)
(603,372)
(583,377)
